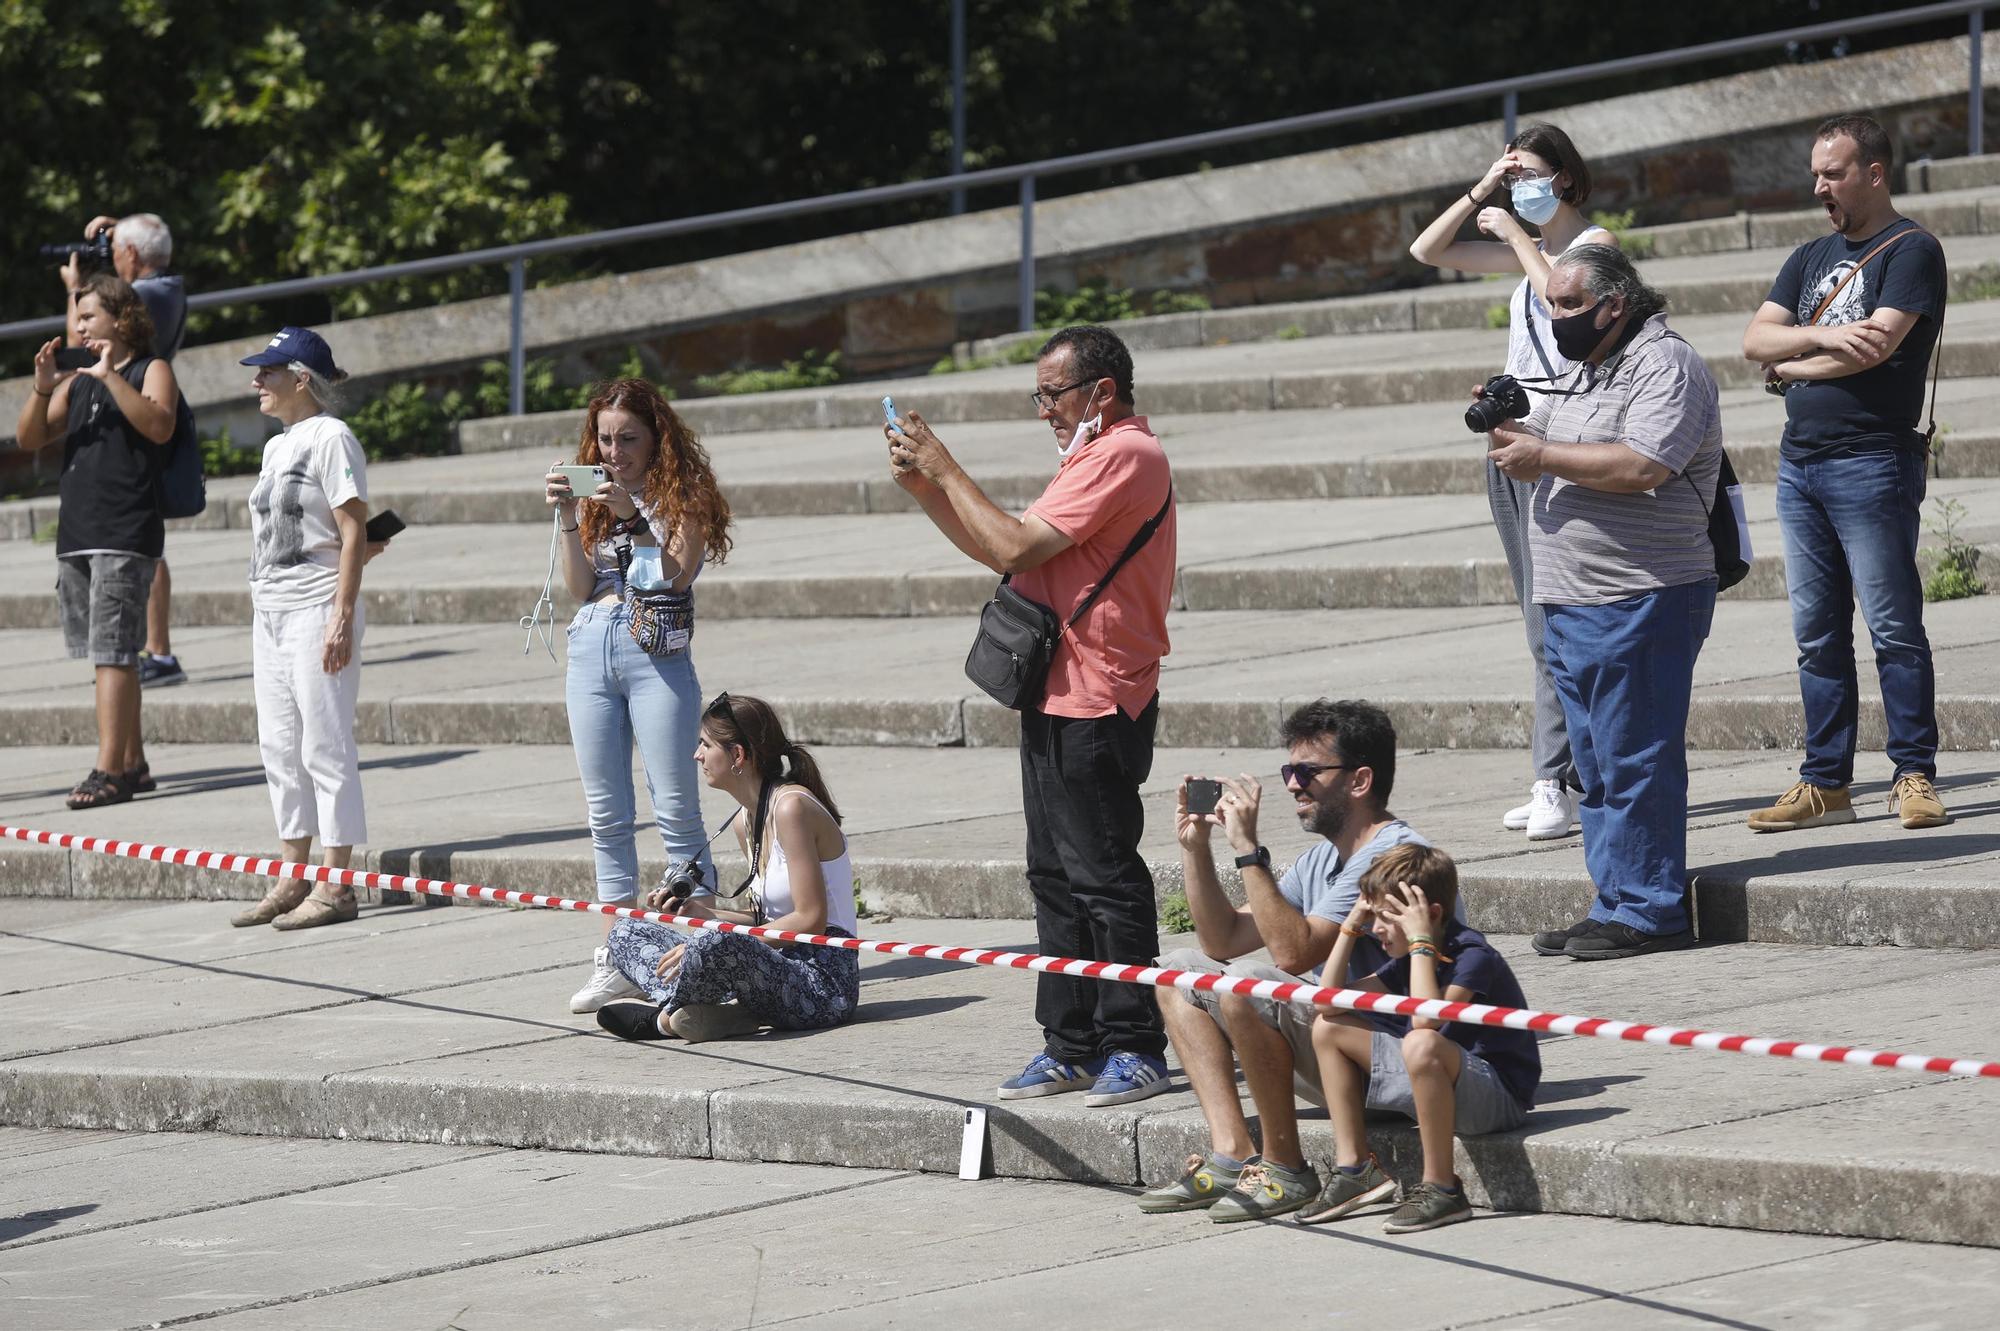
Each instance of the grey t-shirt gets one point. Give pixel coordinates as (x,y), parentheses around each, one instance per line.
(166,302)
(1321,884)
(1591,547)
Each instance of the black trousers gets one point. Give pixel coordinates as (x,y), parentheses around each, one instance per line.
(1093,894)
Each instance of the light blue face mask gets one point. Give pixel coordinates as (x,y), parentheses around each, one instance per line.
(1535,201)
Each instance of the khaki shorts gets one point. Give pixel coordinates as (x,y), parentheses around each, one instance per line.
(1292,1020)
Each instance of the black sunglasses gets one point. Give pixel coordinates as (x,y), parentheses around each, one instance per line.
(1303,773)
(720,707)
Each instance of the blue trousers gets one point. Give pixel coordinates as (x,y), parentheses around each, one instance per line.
(1851,528)
(796,988)
(1625,672)
(617,694)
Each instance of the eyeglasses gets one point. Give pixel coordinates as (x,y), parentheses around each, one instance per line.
(1524,173)
(720,707)
(1047,401)
(1304,773)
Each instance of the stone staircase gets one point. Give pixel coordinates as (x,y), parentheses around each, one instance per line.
(1334,541)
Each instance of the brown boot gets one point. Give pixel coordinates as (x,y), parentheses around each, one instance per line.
(275,903)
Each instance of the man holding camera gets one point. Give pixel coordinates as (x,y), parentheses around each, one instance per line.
(1624,469)
(139,248)
(1847,335)
(1087,743)
(1342,767)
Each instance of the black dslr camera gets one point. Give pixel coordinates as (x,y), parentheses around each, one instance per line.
(92,256)
(1502,400)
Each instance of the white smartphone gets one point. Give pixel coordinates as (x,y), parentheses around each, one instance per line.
(583,481)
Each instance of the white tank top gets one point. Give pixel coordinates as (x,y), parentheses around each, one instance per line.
(1529,320)
(773,883)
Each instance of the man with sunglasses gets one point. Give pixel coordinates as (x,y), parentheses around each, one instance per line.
(1087,744)
(1342,769)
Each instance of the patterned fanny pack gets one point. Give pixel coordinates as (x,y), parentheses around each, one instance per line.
(661,619)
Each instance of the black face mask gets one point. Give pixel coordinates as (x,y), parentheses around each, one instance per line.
(1577,334)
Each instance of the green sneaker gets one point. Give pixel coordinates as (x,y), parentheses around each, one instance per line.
(1349,1192)
(1202,1183)
(1266,1190)
(1428,1206)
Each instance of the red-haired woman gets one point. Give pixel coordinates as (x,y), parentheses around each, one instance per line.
(656,519)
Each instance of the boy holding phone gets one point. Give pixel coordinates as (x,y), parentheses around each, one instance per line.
(1452,1078)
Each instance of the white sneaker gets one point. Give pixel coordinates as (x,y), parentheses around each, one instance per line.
(607,983)
(1516,818)
(1551,811)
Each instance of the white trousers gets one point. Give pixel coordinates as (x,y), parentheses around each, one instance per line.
(305,726)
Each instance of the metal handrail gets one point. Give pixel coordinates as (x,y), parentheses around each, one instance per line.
(1025,174)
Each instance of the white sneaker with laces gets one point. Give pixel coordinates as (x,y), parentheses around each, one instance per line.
(1551,811)
(1516,818)
(607,983)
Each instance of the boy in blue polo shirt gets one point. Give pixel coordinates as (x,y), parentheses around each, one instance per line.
(1452,1078)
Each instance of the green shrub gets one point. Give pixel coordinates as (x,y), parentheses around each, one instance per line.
(809,371)
(221,456)
(1175,917)
(1099,303)
(1499,315)
(408,421)
(1620,225)
(1956,573)
(1290,333)
(1017,353)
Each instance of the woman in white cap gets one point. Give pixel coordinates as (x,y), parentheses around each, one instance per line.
(308,541)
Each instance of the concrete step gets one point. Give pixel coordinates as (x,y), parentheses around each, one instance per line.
(1958,175)
(1379,369)
(1703,268)
(1425,550)
(868,682)
(1332,453)
(450,1027)
(940,833)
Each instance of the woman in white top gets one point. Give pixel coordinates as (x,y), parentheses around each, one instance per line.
(308,541)
(711,986)
(1548,182)
(660,516)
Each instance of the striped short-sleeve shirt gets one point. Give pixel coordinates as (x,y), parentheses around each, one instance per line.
(1592,547)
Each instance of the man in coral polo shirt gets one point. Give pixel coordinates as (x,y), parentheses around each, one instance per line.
(1088,745)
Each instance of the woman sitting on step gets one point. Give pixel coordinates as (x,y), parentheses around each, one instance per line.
(711,986)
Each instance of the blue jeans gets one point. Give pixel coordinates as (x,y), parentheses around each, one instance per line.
(615,692)
(1851,527)
(1625,672)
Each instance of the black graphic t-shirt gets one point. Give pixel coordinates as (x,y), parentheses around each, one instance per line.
(1879,408)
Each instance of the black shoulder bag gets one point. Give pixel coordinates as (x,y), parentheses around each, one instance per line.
(1017,637)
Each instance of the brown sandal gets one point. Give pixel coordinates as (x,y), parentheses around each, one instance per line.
(316,910)
(276,902)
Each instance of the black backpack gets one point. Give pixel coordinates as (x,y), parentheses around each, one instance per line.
(182,490)
(1732,564)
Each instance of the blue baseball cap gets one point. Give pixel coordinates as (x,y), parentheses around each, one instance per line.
(298,344)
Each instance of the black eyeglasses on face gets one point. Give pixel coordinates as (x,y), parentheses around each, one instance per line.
(1303,773)
(1047,401)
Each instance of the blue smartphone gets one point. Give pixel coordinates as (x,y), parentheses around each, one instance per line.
(888,412)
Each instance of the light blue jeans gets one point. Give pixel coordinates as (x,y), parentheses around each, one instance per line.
(615,693)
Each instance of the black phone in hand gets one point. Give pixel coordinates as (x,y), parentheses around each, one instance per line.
(384,525)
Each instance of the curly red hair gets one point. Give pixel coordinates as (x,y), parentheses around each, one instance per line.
(679,483)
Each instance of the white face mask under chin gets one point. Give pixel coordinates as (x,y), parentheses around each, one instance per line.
(1086,430)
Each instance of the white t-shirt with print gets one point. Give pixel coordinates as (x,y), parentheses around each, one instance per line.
(310,470)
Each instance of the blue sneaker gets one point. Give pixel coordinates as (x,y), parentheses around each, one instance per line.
(1048,1075)
(1128,1077)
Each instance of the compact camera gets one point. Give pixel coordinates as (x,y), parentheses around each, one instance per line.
(681,881)
(1502,400)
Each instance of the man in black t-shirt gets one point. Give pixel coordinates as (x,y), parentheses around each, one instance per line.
(1847,335)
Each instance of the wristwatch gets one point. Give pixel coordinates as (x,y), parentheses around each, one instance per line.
(1260,857)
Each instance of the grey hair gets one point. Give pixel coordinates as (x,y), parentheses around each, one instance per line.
(1607,272)
(149,238)
(325,393)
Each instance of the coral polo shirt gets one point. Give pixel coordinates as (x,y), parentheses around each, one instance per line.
(1100,497)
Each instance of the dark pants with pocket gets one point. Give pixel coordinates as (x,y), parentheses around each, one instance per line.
(1080,779)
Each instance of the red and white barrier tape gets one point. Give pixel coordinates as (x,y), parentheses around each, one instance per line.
(1286,991)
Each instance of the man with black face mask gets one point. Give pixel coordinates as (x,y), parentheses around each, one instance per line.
(1624,470)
